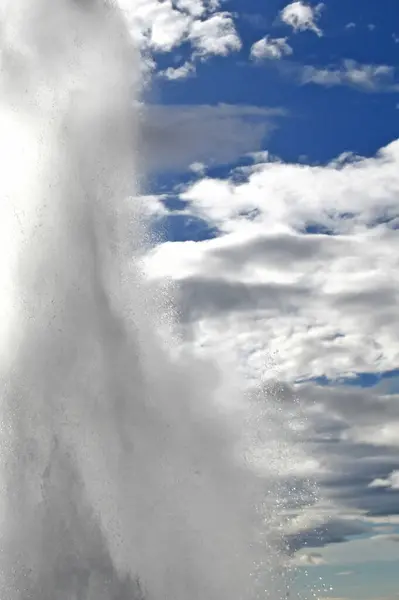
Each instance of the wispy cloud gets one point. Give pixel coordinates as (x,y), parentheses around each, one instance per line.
(366,77)
(174,137)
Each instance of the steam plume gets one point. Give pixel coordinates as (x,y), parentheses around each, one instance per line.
(119,478)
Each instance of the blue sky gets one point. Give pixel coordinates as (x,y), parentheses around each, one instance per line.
(271,145)
(319,125)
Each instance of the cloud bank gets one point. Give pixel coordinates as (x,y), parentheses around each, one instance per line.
(298,284)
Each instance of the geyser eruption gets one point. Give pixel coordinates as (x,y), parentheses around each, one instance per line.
(119,479)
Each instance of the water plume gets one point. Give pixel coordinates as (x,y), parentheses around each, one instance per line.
(119,477)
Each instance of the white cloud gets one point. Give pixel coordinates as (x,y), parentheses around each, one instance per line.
(371,78)
(156,25)
(215,36)
(391,482)
(152,206)
(302,17)
(385,435)
(198,168)
(320,304)
(182,72)
(270,48)
(161,26)
(193,7)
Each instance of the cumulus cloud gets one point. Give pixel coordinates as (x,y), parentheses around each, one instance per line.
(270,48)
(302,17)
(304,267)
(370,78)
(195,7)
(163,26)
(214,36)
(156,25)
